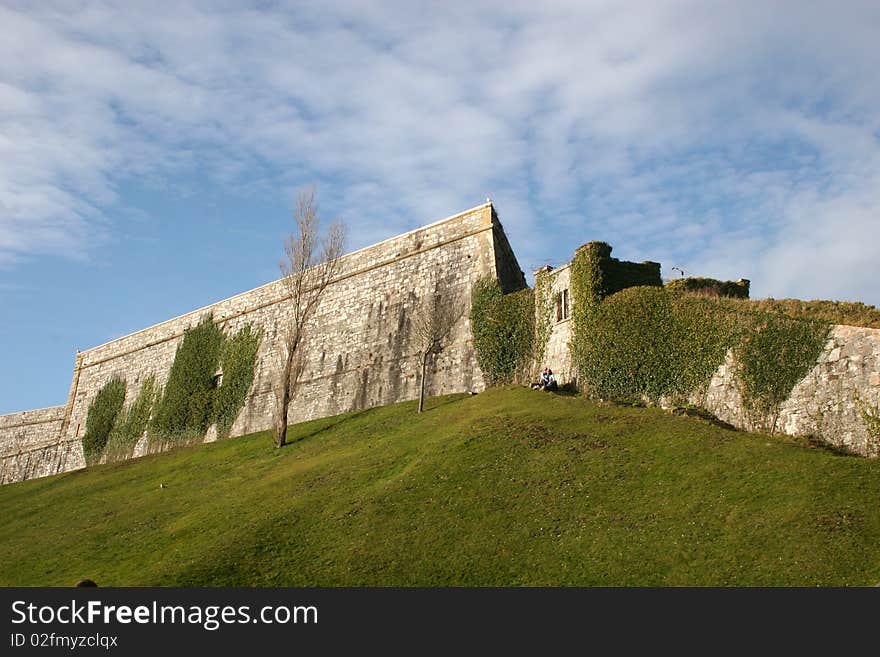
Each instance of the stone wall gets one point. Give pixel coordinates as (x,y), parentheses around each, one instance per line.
(510,276)
(29,445)
(557,354)
(360,352)
(828,402)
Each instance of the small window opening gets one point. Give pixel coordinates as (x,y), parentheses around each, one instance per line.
(563,307)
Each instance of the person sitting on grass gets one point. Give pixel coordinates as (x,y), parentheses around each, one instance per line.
(548,380)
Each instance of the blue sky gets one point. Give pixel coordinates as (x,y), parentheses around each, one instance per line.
(150,154)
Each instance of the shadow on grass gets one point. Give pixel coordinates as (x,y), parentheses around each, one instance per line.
(566,390)
(819,443)
(703,414)
(337,421)
(432,403)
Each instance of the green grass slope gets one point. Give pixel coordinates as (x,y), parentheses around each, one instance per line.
(511,487)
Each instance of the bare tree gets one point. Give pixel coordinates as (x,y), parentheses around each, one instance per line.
(311,262)
(431,328)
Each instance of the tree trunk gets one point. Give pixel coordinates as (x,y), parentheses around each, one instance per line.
(422,384)
(283,401)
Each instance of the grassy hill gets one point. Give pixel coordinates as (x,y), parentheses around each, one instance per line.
(510,487)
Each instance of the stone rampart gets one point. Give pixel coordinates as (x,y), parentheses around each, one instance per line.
(828,403)
(360,351)
(29,445)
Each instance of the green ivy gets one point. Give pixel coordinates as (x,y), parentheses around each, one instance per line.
(705,330)
(503,327)
(644,344)
(595,275)
(630,347)
(544,309)
(238,361)
(102,415)
(775,354)
(131,423)
(710,287)
(190,403)
(587,273)
(185,409)
(585,298)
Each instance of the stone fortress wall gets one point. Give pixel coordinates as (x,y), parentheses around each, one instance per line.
(612,275)
(557,355)
(829,402)
(30,448)
(362,356)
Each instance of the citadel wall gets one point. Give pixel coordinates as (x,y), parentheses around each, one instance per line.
(361,351)
(829,402)
(29,445)
(557,354)
(608,275)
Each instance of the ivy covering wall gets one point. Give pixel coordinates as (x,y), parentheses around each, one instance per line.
(595,275)
(544,315)
(711,287)
(237,361)
(598,275)
(103,412)
(185,409)
(132,422)
(191,401)
(503,327)
(774,352)
(645,343)
(634,340)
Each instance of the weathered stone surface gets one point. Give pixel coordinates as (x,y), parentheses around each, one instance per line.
(30,428)
(557,355)
(360,349)
(827,403)
(29,445)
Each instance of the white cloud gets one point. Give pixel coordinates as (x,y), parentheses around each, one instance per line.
(734,139)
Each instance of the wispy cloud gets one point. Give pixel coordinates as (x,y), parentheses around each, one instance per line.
(732,139)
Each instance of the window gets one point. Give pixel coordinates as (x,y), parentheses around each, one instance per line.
(563,307)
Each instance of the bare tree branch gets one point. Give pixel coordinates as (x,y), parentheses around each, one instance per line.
(431,328)
(310,264)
